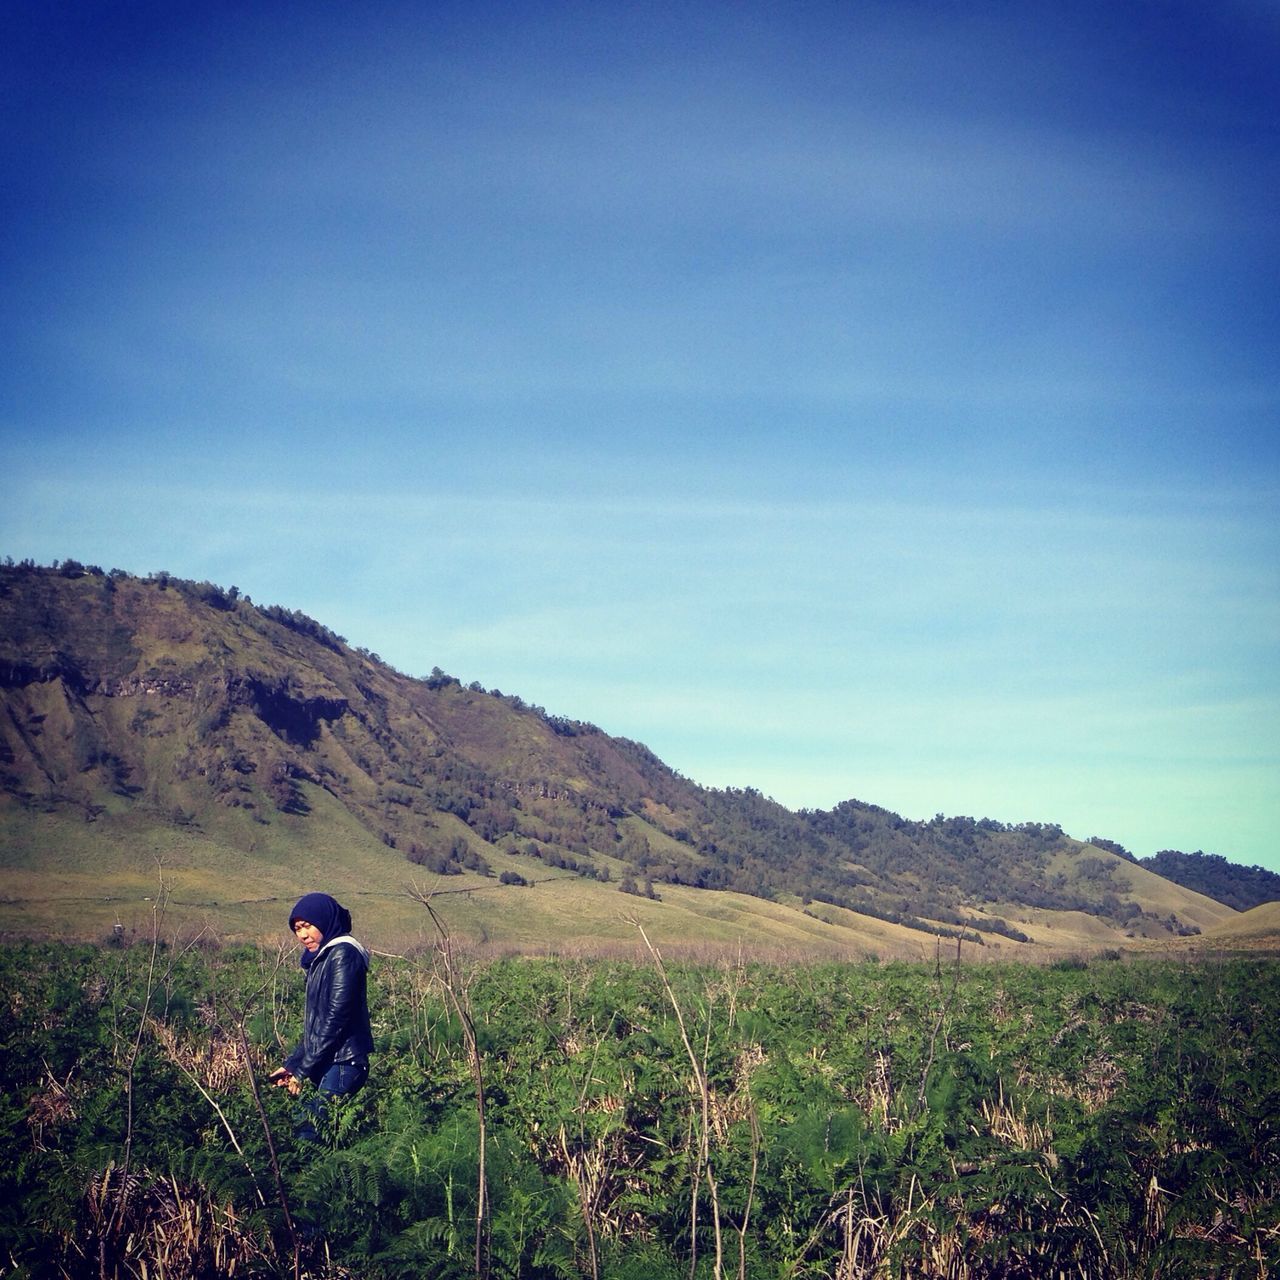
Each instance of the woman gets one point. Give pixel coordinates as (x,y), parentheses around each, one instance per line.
(336,1038)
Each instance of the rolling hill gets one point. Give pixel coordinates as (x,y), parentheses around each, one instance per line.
(156,730)
(1255,929)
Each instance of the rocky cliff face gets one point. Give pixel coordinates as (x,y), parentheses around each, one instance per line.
(117,689)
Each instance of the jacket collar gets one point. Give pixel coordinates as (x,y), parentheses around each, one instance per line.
(342,937)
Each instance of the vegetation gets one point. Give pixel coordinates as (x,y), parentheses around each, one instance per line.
(1097,1118)
(1211,874)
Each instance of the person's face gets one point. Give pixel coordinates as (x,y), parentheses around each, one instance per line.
(307,934)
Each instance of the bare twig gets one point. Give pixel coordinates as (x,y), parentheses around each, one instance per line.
(704,1168)
(271,1151)
(461,1003)
(122,1201)
(226,1124)
(943,1009)
(589,1187)
(751,1189)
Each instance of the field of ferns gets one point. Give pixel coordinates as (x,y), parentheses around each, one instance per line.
(536,1118)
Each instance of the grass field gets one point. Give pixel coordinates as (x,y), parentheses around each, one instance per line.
(648,1119)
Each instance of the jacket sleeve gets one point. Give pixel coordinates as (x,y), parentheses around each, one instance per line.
(330,1024)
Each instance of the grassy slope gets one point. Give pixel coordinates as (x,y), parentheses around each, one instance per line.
(1259,926)
(66,877)
(1156,894)
(1162,894)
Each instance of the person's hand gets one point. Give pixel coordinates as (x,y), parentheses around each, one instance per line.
(283,1078)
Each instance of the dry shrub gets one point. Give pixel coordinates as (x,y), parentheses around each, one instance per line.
(877,1101)
(141,1224)
(1102,1078)
(727,1109)
(1223,1229)
(871,1239)
(215,1061)
(49,1107)
(750,1058)
(1012,1125)
(599,1169)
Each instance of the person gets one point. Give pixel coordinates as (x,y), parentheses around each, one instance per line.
(336,1036)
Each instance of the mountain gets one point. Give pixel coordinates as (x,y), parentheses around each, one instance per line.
(162,732)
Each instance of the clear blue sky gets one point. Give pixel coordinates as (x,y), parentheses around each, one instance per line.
(868,400)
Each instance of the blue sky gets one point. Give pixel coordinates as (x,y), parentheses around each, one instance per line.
(846,400)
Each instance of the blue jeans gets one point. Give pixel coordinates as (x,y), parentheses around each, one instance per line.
(341,1080)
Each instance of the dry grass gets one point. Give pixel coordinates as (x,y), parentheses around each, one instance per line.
(1011,1124)
(50,1107)
(146,1225)
(875,1097)
(212,1059)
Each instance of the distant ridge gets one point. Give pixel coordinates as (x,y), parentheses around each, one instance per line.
(251,749)
(1211,874)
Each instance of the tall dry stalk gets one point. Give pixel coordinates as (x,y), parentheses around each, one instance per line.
(294,1242)
(240,1015)
(282,949)
(751,1189)
(587,1170)
(169,1042)
(704,1167)
(121,1205)
(460,999)
(944,1007)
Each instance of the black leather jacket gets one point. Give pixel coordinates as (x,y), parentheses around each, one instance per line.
(336,1025)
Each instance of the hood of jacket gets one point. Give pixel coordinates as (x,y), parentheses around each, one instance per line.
(349,940)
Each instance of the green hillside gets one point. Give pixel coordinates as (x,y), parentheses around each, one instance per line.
(250,753)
